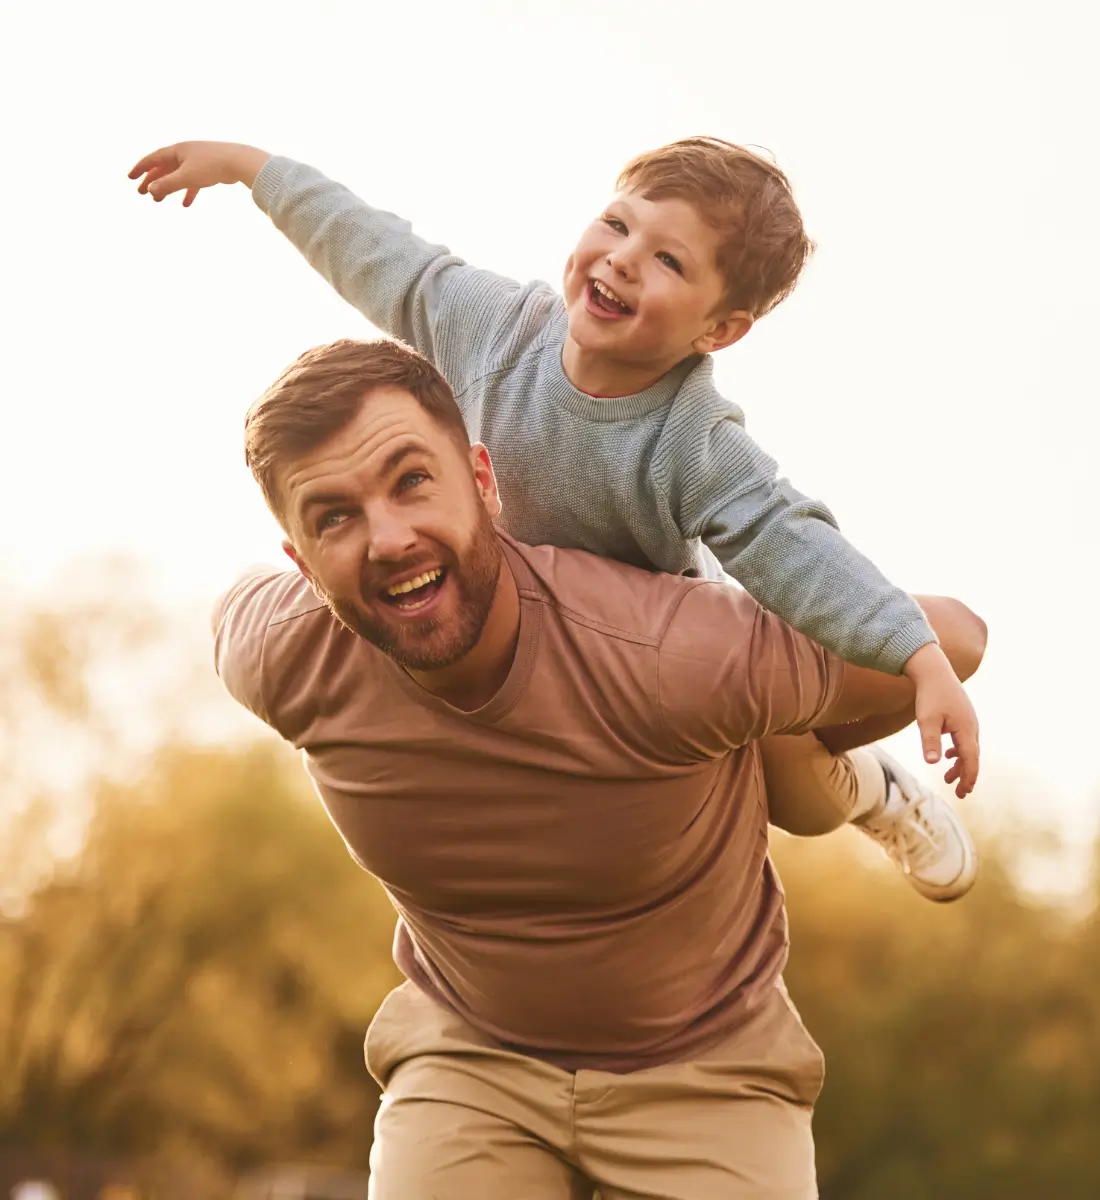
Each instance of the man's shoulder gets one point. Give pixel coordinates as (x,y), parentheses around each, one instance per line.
(276,643)
(676,613)
(263,596)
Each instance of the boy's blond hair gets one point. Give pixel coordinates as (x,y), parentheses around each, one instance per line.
(747,199)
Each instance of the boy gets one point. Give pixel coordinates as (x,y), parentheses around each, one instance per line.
(608,434)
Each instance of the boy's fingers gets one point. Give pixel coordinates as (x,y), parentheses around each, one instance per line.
(150,175)
(166,185)
(967,744)
(149,161)
(931,736)
(189,199)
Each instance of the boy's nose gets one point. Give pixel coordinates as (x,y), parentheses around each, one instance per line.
(621,263)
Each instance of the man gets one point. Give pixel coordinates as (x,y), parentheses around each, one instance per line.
(548,760)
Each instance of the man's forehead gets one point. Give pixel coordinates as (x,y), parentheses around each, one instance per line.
(388,425)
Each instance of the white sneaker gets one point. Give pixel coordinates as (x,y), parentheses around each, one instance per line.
(923,835)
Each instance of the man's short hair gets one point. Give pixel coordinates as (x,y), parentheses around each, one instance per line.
(743,196)
(322,392)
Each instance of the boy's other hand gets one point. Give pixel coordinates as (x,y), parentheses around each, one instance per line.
(942,706)
(191,166)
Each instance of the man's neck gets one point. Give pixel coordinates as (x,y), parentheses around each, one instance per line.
(474,680)
(605,377)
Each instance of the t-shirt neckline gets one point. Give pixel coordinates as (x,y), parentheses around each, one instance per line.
(515,683)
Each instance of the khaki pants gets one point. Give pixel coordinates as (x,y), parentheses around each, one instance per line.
(812,791)
(463,1120)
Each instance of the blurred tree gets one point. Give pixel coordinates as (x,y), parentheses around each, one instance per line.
(963,1042)
(204,972)
(194,983)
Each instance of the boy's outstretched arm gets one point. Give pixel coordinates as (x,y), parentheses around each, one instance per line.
(421,293)
(788,553)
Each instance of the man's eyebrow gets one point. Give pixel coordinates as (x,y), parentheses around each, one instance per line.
(399,453)
(319,498)
(392,461)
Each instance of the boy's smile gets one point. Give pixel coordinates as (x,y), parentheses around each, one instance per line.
(644,292)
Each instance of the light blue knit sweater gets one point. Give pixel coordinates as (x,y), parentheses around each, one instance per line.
(656,479)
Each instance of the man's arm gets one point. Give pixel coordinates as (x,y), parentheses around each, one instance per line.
(788,553)
(870,705)
(730,672)
(449,311)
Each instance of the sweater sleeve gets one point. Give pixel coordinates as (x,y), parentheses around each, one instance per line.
(450,312)
(789,555)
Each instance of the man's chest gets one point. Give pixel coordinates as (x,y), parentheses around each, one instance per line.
(464,829)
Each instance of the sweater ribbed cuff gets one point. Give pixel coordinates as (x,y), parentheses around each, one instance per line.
(269,180)
(903,645)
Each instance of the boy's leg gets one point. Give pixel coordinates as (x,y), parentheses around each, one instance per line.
(461,1118)
(812,791)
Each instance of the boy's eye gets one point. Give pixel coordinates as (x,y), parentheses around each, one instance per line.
(615,224)
(671,262)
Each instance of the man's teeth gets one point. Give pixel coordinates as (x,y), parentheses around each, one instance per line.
(604,290)
(410,585)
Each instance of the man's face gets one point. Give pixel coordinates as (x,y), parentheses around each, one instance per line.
(659,259)
(391,522)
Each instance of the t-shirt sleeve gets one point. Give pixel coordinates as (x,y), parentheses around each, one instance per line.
(240,621)
(730,672)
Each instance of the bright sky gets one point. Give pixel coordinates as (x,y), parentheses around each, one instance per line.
(933,378)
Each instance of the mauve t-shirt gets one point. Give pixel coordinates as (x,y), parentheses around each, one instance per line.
(579,867)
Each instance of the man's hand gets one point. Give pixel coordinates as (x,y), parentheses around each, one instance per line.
(191,166)
(942,706)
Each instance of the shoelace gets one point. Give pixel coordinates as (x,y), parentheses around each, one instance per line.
(907,835)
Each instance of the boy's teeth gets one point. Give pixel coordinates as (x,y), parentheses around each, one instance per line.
(410,585)
(604,290)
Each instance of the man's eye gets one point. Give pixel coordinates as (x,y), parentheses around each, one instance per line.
(330,519)
(671,263)
(615,224)
(411,480)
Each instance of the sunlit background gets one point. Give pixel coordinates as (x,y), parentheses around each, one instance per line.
(933,378)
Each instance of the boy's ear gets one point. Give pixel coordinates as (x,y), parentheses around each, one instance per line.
(731,328)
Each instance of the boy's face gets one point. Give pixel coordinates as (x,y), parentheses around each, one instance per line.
(659,261)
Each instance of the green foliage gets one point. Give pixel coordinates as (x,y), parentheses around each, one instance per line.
(963,1042)
(195,983)
(202,973)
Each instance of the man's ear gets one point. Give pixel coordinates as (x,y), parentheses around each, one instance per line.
(727,330)
(486,480)
(299,562)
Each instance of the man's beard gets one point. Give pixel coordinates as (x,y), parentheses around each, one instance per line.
(432,644)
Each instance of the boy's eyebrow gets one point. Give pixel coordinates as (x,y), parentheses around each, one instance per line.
(669,240)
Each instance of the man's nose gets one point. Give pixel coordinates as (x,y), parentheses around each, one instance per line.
(391,537)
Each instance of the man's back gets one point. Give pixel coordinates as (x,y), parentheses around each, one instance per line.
(581,865)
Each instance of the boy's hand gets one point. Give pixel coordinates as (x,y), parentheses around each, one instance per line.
(191,166)
(944,707)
